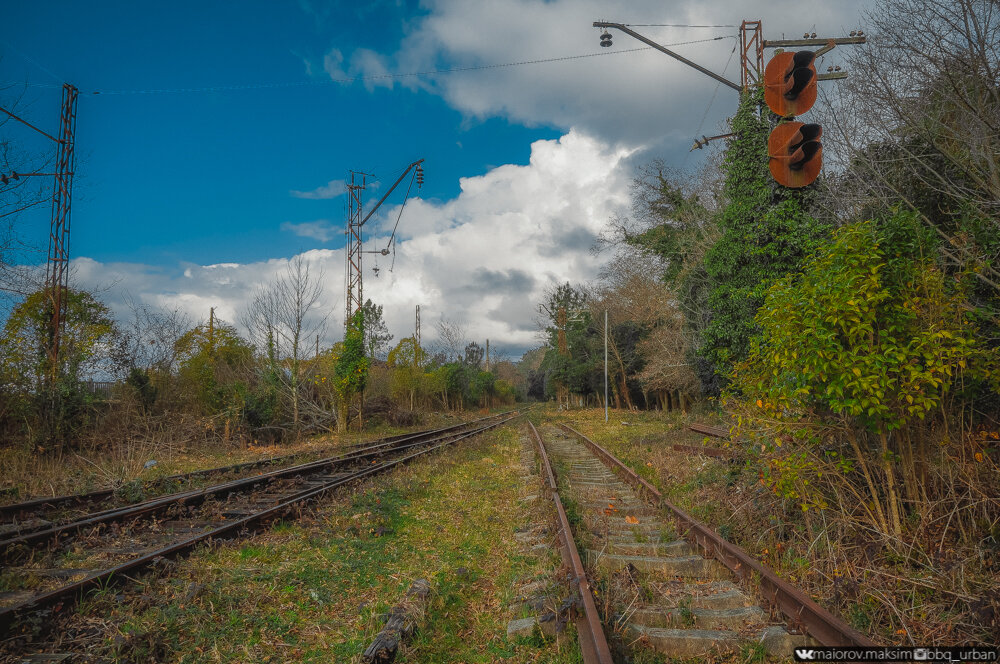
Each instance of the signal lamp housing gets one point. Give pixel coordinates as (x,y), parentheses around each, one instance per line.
(795,154)
(790,83)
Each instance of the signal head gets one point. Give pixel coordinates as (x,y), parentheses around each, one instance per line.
(790,83)
(795,154)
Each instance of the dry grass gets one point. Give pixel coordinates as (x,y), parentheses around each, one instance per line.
(925,590)
(313,590)
(121,444)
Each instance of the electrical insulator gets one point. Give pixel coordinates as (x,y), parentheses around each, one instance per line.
(420,176)
(606,39)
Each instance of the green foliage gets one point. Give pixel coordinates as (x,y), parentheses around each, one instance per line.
(212,362)
(50,401)
(24,359)
(376,333)
(406,360)
(766,232)
(862,334)
(351,371)
(571,357)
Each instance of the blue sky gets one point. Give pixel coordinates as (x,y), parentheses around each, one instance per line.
(205,176)
(185,199)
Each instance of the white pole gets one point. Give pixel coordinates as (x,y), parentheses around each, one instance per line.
(605,366)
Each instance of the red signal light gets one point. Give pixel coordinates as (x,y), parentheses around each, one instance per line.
(790,83)
(795,153)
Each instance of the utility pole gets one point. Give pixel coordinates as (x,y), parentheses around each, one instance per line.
(416,334)
(211,331)
(354,299)
(355,221)
(605,366)
(57,267)
(487,356)
(752,45)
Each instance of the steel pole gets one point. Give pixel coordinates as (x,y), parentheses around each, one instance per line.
(605,366)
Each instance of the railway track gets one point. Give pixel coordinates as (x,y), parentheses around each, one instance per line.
(48,568)
(47,512)
(669,582)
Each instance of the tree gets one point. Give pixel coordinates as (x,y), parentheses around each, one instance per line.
(571,357)
(870,341)
(212,359)
(406,360)
(25,366)
(473,356)
(376,332)
(452,339)
(284,318)
(918,122)
(766,231)
(351,373)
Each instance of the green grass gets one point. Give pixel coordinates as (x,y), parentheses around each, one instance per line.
(314,590)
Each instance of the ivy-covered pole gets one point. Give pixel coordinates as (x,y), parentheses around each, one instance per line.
(351,372)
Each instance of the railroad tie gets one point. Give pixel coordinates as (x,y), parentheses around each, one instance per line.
(665,594)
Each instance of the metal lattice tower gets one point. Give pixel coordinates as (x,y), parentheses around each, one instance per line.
(57,268)
(751,54)
(356,221)
(354,299)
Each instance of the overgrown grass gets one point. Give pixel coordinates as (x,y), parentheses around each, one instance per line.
(919,595)
(118,458)
(313,590)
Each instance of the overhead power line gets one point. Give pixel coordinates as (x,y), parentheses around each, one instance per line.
(377,77)
(675,25)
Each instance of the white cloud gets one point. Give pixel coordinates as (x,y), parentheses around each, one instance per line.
(638,99)
(321,229)
(331,189)
(484,258)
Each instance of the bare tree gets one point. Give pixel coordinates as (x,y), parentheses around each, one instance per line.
(918,121)
(282,318)
(147,340)
(452,339)
(17,195)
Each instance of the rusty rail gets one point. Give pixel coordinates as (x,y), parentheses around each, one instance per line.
(36,504)
(714,452)
(802,612)
(590,632)
(708,430)
(9,615)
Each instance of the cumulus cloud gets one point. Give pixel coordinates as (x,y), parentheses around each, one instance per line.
(483,259)
(331,189)
(321,229)
(639,99)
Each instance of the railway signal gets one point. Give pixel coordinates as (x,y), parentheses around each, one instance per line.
(790,83)
(796,155)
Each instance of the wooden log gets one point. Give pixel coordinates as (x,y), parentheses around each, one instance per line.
(399,626)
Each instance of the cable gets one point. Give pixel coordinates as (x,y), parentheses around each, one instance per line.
(25,56)
(405,198)
(434,72)
(710,102)
(674,25)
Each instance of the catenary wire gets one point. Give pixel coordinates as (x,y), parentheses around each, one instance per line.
(376,77)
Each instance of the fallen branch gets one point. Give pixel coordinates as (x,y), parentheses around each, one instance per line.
(400,624)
